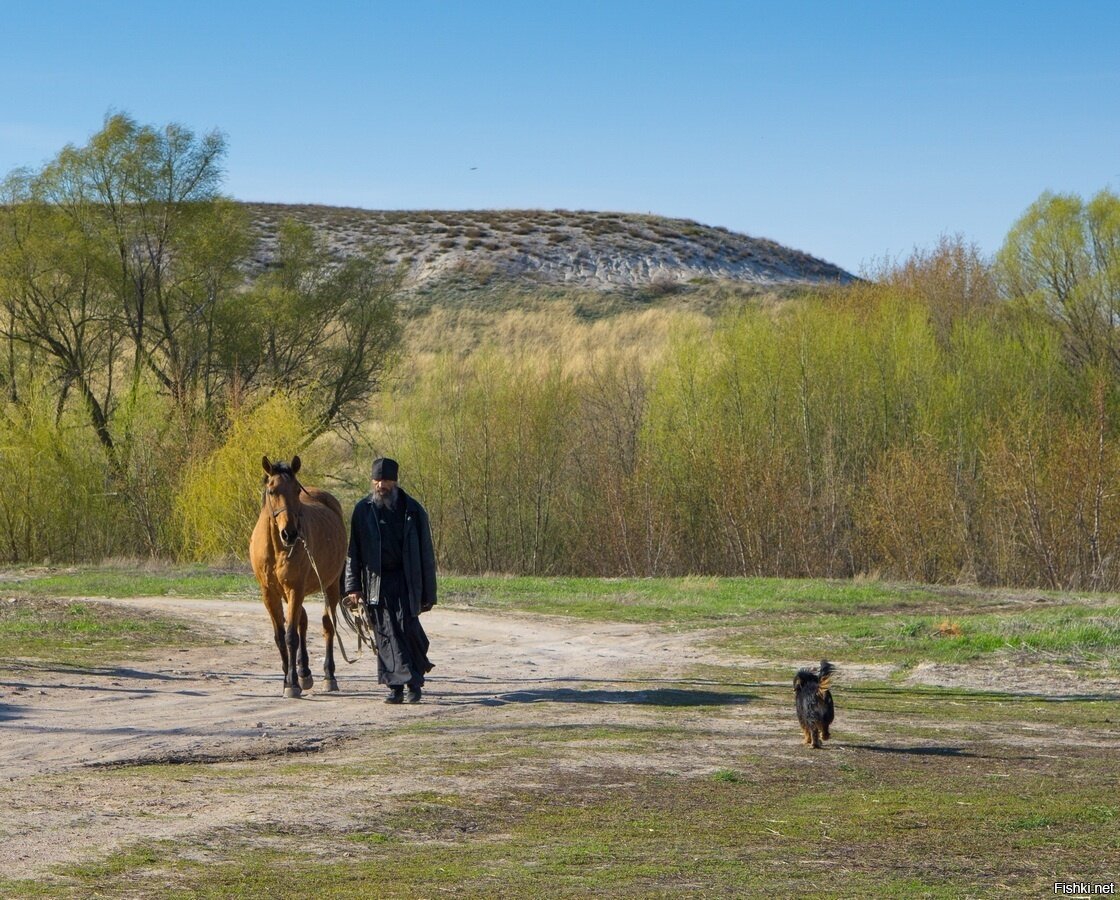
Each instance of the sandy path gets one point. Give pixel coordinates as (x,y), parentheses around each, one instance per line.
(58,729)
(224,702)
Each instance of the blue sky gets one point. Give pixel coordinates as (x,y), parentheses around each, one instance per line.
(853,131)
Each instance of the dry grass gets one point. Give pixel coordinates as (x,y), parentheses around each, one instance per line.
(547,333)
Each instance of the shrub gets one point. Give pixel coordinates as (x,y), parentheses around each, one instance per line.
(219,498)
(952,280)
(1052,516)
(488,445)
(911,517)
(57,501)
(155,440)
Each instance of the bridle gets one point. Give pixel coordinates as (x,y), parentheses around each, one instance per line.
(276,512)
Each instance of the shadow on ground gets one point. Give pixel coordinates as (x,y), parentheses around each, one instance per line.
(647,697)
(913,751)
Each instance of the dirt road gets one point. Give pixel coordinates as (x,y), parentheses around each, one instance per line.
(224,703)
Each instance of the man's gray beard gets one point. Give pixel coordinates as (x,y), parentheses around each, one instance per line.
(389,501)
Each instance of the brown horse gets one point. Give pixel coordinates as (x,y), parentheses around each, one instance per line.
(298,547)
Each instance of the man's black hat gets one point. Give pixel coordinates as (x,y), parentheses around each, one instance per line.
(384,469)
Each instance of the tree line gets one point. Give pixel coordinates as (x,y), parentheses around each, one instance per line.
(949,418)
(952,419)
(843,438)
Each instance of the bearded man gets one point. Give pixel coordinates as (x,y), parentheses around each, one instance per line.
(391,567)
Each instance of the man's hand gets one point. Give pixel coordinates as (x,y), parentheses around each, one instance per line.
(353,602)
(425,607)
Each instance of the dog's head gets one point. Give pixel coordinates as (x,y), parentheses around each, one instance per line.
(805,680)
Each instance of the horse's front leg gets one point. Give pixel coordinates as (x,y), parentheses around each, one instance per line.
(292,641)
(275,608)
(305,679)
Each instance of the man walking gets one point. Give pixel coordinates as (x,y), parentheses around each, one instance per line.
(391,566)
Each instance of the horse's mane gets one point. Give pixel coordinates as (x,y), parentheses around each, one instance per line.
(315,495)
(281,468)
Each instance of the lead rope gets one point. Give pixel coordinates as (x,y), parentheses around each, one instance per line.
(361,627)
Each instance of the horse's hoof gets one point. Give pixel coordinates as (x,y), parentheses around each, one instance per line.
(306,682)
(332,685)
(291,691)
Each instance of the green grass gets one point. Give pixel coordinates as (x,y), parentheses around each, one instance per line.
(811,619)
(853,824)
(685,601)
(758,617)
(122,582)
(681,601)
(368,837)
(1076,634)
(77,633)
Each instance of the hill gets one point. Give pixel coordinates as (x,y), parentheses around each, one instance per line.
(543,249)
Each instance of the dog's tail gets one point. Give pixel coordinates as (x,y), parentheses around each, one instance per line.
(825,681)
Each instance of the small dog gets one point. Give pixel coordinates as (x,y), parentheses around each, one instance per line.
(814,702)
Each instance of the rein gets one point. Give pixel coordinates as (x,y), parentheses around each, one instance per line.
(334,618)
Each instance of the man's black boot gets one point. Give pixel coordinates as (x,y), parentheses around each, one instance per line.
(396,694)
(414,693)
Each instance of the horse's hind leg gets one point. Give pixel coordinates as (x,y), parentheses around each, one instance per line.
(305,679)
(329,609)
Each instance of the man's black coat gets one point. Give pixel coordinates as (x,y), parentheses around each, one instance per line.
(363,561)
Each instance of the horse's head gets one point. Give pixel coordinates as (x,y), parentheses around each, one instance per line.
(281,497)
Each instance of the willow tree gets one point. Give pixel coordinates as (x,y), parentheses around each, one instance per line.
(124,282)
(120,261)
(59,320)
(1064,255)
(316,327)
(165,243)
(115,256)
